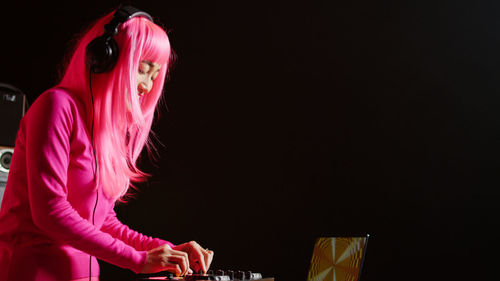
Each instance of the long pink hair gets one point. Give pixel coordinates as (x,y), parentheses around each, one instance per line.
(122,119)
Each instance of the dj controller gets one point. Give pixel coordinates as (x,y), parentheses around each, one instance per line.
(218,275)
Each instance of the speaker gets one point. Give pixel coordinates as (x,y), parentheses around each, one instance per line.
(5,159)
(13,105)
(2,189)
(12,108)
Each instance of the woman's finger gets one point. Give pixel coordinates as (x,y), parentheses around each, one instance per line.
(208,258)
(179,260)
(197,254)
(174,268)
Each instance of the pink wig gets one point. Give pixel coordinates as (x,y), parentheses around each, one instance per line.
(122,119)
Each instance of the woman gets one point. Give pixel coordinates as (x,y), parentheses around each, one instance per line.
(76,154)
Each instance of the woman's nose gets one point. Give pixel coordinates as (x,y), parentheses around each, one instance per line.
(145,87)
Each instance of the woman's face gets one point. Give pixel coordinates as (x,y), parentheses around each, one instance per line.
(147,73)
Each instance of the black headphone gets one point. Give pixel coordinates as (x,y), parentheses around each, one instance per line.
(101,53)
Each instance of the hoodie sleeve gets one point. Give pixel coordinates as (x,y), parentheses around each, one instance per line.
(131,237)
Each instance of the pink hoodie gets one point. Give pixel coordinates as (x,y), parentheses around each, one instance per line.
(46,229)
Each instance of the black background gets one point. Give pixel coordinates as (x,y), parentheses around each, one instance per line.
(290,120)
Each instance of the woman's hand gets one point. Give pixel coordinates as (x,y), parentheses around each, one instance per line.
(178,259)
(166,258)
(199,258)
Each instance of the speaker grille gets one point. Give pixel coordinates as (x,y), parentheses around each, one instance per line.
(5,159)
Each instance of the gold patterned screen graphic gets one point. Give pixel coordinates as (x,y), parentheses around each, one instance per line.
(337,259)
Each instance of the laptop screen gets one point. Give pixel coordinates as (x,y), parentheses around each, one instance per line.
(337,258)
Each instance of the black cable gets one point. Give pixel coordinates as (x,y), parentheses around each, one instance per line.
(92,130)
(95,164)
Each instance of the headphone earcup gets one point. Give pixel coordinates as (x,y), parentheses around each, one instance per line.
(101,54)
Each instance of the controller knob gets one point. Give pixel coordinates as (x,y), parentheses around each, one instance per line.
(256,276)
(239,275)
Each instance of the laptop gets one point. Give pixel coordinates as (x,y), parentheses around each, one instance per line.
(338,258)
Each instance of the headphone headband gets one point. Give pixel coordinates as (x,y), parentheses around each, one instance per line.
(123,14)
